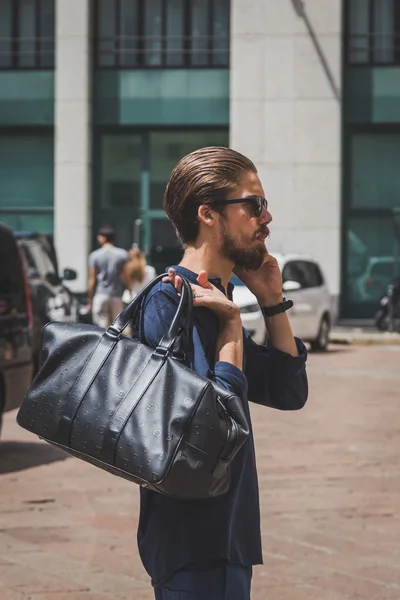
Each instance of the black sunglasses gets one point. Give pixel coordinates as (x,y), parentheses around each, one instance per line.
(257,203)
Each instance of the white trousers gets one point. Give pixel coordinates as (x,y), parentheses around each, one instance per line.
(105,309)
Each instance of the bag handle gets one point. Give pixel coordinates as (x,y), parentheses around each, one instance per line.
(181,321)
(178,329)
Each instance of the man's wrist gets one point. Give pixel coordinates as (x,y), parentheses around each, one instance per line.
(268,301)
(272,311)
(231,321)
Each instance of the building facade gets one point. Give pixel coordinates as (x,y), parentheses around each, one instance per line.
(100,98)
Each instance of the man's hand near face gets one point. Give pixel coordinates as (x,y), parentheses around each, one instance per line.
(266,285)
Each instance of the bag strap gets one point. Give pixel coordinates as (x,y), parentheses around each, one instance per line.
(180,324)
(98,357)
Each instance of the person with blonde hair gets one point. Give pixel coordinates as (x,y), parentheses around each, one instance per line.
(137,273)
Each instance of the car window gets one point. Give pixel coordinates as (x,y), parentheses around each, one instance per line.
(306,273)
(48,247)
(382,269)
(292,272)
(27,258)
(315,277)
(12,295)
(41,259)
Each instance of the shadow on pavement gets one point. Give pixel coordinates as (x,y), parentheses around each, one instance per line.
(340,348)
(332,349)
(18,456)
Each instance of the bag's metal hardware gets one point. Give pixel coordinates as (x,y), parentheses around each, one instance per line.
(181,357)
(113,332)
(161,351)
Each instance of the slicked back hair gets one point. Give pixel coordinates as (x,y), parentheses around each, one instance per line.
(201,177)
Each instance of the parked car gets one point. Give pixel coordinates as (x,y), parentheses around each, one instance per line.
(51,298)
(16,322)
(305,284)
(370,286)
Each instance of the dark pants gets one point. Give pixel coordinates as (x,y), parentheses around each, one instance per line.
(225,582)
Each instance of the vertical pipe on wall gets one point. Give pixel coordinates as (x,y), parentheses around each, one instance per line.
(145,193)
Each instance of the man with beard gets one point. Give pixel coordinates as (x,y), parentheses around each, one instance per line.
(205,549)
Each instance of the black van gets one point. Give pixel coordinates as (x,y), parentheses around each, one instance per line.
(16,321)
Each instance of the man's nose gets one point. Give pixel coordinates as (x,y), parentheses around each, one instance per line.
(266,216)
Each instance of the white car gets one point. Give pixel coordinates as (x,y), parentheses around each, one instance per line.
(304,283)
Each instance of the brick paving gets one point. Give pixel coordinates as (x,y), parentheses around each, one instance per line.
(330,497)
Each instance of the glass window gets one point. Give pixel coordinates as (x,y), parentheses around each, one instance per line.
(165,248)
(26,182)
(26,171)
(121,162)
(359,31)
(125,187)
(382,268)
(372,31)
(313,274)
(106,29)
(29,221)
(307,273)
(5,34)
(175,40)
(168,147)
(153,33)
(162,33)
(384,31)
(199,32)
(40,258)
(27,33)
(290,272)
(47,33)
(374,171)
(117,203)
(128,33)
(221,32)
(27,258)
(371,259)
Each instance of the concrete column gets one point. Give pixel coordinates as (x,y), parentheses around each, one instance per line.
(72,203)
(286,116)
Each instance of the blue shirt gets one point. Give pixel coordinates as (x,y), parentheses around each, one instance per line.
(177,534)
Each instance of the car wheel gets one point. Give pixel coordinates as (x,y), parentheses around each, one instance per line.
(322,340)
(382,320)
(2,402)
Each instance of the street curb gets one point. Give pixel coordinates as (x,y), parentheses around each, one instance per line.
(361,338)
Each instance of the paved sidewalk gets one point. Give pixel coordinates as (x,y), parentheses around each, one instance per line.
(330,499)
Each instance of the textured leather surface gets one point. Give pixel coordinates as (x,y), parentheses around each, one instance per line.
(133,411)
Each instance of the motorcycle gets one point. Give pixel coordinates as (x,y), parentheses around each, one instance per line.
(387,317)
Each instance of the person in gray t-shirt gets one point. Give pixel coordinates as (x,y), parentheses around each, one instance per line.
(106,285)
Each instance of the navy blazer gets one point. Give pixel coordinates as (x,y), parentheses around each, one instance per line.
(177,534)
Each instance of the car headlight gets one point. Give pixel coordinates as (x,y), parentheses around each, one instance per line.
(250,308)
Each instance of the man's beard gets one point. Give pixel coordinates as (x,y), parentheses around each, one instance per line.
(250,258)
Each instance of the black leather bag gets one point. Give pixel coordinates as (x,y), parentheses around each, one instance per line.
(134,411)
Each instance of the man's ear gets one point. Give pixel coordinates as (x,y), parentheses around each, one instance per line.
(206,215)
